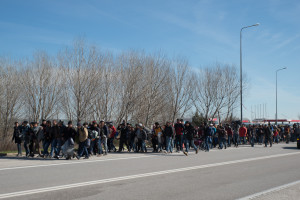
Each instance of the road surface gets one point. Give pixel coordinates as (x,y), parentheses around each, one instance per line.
(234,173)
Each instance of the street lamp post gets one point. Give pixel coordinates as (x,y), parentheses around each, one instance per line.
(276,91)
(241,68)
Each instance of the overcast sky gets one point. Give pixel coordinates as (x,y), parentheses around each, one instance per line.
(204,32)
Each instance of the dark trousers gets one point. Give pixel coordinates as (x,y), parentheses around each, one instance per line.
(82,149)
(268,139)
(154,143)
(19,148)
(110,144)
(121,144)
(179,142)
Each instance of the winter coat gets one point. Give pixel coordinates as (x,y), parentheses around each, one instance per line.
(179,128)
(47,134)
(25,131)
(221,132)
(168,131)
(82,134)
(189,132)
(243,131)
(69,133)
(17,135)
(55,132)
(268,132)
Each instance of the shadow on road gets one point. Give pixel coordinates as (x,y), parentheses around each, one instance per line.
(9,157)
(294,148)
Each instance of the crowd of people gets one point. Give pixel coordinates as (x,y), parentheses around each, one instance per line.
(98,139)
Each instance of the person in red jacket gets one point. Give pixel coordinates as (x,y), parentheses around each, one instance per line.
(179,128)
(111,136)
(243,133)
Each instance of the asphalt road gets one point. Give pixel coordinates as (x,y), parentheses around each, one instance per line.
(219,174)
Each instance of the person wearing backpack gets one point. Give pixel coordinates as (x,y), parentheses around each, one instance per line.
(94,134)
(208,132)
(17,137)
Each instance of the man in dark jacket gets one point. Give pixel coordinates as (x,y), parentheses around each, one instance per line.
(221,136)
(69,131)
(124,131)
(47,138)
(17,137)
(268,135)
(56,140)
(189,132)
(208,135)
(168,132)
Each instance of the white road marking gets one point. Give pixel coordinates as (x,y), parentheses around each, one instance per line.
(122,178)
(275,189)
(74,162)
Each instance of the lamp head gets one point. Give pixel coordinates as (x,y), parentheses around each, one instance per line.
(257,24)
(284,68)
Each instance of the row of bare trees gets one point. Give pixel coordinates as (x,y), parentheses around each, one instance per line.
(82,83)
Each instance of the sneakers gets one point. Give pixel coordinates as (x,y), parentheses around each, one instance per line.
(185,153)
(197,150)
(78,158)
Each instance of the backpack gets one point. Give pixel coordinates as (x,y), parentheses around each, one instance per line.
(94,134)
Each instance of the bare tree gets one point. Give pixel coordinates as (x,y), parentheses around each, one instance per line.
(81,79)
(217,91)
(181,88)
(42,89)
(10,96)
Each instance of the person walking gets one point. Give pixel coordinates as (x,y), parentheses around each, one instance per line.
(229,134)
(17,138)
(243,133)
(236,128)
(222,136)
(56,140)
(208,136)
(83,136)
(104,138)
(189,132)
(268,135)
(179,127)
(168,131)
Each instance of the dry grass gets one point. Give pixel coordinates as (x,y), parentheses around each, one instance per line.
(6,144)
